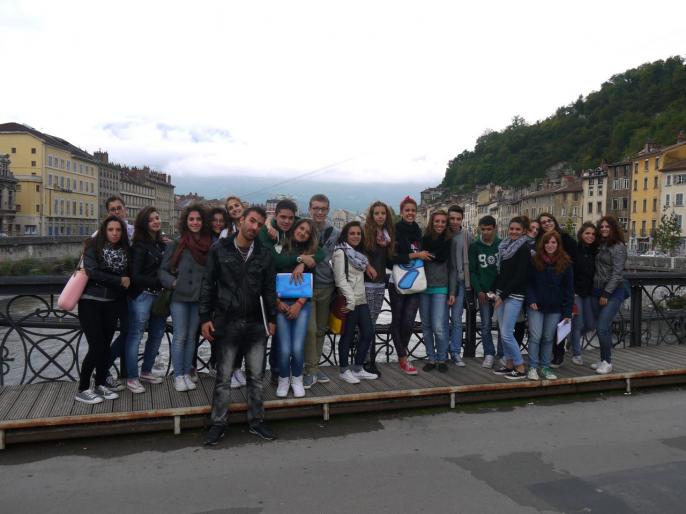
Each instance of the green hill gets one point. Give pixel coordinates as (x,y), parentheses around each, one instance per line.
(645,103)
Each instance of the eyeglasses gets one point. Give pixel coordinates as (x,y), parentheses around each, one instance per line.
(116,209)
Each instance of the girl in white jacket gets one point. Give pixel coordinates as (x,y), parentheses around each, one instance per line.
(349,266)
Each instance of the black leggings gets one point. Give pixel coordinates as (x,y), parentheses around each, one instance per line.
(98,322)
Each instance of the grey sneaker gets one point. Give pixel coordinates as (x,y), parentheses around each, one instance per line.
(106,393)
(88,396)
(488,361)
(309,381)
(547,374)
(321,377)
(578,360)
(457,361)
(114,384)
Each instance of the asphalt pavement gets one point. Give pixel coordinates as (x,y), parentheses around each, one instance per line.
(601,453)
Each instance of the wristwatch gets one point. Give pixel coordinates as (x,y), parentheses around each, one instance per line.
(299,259)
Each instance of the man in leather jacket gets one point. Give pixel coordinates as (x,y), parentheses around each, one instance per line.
(238,310)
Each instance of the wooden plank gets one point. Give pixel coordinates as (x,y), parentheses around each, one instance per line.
(9,397)
(125,401)
(64,401)
(197,397)
(45,401)
(178,399)
(104,407)
(22,406)
(143,401)
(160,396)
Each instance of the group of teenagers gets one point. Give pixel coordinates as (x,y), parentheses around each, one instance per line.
(218,278)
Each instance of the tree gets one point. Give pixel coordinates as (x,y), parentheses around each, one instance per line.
(668,232)
(570,228)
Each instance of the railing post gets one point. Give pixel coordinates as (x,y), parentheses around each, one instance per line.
(470,335)
(636,315)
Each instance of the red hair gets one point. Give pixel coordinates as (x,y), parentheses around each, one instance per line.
(406,200)
(560,258)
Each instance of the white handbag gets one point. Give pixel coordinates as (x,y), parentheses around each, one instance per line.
(409,278)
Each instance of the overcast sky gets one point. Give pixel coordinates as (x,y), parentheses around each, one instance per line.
(365,91)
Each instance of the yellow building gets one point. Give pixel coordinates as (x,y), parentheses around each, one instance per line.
(645,196)
(57,189)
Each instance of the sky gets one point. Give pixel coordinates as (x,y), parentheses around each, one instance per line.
(364,92)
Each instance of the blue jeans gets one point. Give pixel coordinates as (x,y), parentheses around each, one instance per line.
(433,309)
(507,314)
(456,321)
(185,321)
(362,319)
(292,333)
(604,316)
(582,322)
(542,336)
(486,313)
(140,313)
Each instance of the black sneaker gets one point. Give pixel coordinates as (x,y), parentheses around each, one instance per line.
(262,430)
(429,366)
(214,434)
(503,370)
(442,367)
(516,375)
(371,368)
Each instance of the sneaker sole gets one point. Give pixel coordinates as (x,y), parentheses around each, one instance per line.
(136,391)
(261,436)
(151,381)
(323,380)
(510,377)
(88,402)
(309,386)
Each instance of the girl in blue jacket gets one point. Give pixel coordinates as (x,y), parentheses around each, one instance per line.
(549,297)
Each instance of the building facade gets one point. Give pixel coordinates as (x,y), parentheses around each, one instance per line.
(109,180)
(57,188)
(645,197)
(595,189)
(8,194)
(619,177)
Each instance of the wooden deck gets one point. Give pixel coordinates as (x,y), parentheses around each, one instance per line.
(48,411)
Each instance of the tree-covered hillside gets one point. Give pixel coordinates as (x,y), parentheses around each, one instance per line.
(645,103)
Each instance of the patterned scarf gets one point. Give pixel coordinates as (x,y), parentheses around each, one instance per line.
(383,239)
(114,259)
(358,260)
(508,247)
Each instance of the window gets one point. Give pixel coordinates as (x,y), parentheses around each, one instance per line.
(62,163)
(591,181)
(62,207)
(669,180)
(625,203)
(574,211)
(600,181)
(14,150)
(643,228)
(615,204)
(645,204)
(645,184)
(590,192)
(33,151)
(667,198)
(18,187)
(33,164)
(679,220)
(92,187)
(626,183)
(657,163)
(652,226)
(68,183)
(73,208)
(645,165)
(599,209)
(37,208)
(633,227)
(679,200)
(590,207)
(615,184)
(57,204)
(37,188)
(50,180)
(635,185)
(81,208)
(655,183)
(68,165)
(18,207)
(62,182)
(654,204)
(49,160)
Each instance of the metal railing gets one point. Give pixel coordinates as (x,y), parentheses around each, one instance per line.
(40,342)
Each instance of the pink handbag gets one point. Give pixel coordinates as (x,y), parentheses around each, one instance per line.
(73,289)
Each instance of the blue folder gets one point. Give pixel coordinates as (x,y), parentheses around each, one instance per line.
(285,288)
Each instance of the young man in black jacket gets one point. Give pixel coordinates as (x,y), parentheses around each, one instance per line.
(237,296)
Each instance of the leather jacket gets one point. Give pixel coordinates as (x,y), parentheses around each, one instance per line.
(231,288)
(101,283)
(146,257)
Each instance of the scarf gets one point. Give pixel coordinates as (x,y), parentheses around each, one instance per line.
(357,260)
(114,259)
(508,247)
(198,248)
(547,259)
(383,239)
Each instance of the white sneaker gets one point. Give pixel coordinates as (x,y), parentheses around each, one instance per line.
(282,388)
(88,396)
(604,368)
(190,385)
(596,364)
(578,360)
(180,383)
(134,385)
(488,362)
(239,374)
(532,374)
(347,376)
(365,375)
(106,393)
(150,378)
(297,386)
(235,384)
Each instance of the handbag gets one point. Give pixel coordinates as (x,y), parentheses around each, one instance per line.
(287,288)
(337,315)
(74,288)
(409,278)
(161,305)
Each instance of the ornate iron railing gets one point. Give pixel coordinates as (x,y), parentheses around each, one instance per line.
(40,342)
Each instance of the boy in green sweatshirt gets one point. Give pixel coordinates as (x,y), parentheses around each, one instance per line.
(483,269)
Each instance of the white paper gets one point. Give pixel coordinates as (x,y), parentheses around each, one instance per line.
(563,329)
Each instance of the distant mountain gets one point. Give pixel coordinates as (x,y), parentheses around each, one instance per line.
(351,197)
(641,104)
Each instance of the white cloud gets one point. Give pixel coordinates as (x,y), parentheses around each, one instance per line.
(389,90)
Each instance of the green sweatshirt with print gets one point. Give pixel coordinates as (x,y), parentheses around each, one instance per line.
(483,264)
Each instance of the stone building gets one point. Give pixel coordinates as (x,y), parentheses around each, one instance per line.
(595,191)
(619,193)
(109,180)
(8,192)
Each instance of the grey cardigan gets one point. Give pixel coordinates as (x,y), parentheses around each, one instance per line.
(188,275)
(459,261)
(609,268)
